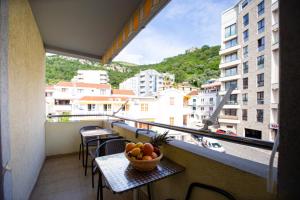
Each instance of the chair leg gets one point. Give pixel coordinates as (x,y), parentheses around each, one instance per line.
(149,191)
(100,187)
(86,160)
(92,174)
(79,151)
(82,153)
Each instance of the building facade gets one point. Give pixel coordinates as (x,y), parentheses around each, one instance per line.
(148,82)
(249,63)
(91,76)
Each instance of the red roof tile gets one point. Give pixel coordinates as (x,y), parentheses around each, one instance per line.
(193,93)
(85,85)
(122,92)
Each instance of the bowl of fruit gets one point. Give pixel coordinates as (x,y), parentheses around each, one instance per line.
(146,156)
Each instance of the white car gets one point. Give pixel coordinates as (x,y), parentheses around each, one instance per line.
(212,144)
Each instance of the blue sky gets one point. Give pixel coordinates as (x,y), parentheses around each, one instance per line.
(182,24)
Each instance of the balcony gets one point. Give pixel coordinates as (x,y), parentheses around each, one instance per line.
(223,92)
(274,105)
(62,176)
(229,64)
(232,104)
(275,46)
(229,78)
(275,86)
(229,119)
(229,50)
(274,6)
(275,27)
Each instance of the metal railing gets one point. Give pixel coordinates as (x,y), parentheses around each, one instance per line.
(235,139)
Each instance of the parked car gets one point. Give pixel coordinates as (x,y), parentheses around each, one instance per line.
(212,144)
(221,131)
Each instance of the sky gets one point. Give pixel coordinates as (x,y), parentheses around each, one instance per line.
(181,25)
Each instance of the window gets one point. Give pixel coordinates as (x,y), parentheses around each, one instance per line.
(260,62)
(261,26)
(260,115)
(91,107)
(144,107)
(245,83)
(211,100)
(260,80)
(80,90)
(126,108)
(245,67)
(231,71)
(202,108)
(231,112)
(245,51)
(232,99)
(61,102)
(245,98)
(246,19)
(107,107)
(211,108)
(171,101)
(194,107)
(251,133)
(244,114)
(230,84)
(231,57)
(230,30)
(244,3)
(230,43)
(171,121)
(64,89)
(261,8)
(260,97)
(246,35)
(261,43)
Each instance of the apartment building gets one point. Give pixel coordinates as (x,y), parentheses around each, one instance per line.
(201,104)
(249,63)
(148,82)
(91,76)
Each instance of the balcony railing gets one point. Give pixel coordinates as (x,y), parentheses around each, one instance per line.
(235,139)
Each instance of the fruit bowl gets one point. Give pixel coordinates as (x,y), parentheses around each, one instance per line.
(143,157)
(144,165)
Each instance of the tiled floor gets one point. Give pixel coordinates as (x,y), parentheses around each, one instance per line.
(63,178)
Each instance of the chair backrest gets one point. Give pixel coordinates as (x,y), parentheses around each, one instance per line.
(114,146)
(210,188)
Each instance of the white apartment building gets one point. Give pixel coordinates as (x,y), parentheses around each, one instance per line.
(91,76)
(131,84)
(148,82)
(249,62)
(60,97)
(202,104)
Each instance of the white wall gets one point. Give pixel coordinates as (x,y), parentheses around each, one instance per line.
(26,68)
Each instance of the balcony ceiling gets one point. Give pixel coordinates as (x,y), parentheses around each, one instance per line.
(82,28)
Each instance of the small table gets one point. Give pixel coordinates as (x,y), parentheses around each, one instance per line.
(121,176)
(96,132)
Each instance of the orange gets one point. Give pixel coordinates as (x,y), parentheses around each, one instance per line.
(147,158)
(129,146)
(148,149)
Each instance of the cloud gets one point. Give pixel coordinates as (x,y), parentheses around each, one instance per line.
(181,25)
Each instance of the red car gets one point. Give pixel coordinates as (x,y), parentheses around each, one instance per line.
(221,131)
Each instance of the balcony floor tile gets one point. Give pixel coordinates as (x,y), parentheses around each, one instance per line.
(63,178)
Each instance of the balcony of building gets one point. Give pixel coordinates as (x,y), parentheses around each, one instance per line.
(229,77)
(229,49)
(62,175)
(275,5)
(229,63)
